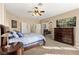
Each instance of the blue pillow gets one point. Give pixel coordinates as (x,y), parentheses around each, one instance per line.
(11,36)
(20,34)
(11,32)
(15,34)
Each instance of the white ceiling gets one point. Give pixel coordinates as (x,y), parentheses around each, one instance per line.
(51,9)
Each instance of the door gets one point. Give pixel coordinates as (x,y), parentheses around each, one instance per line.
(25,28)
(38,28)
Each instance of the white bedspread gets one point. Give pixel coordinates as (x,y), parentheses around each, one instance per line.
(28,38)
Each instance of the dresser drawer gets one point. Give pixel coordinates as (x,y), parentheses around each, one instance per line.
(65,35)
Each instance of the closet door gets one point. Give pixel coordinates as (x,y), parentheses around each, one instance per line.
(28,28)
(38,28)
(24,28)
(33,28)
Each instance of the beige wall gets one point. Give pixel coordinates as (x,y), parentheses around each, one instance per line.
(6,17)
(66,15)
(10,16)
(2,14)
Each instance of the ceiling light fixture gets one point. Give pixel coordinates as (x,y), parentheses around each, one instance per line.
(37,11)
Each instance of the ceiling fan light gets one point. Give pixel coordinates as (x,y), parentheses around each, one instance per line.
(37,14)
(33,14)
(37,11)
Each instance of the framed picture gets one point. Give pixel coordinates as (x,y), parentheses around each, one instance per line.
(67,22)
(14,23)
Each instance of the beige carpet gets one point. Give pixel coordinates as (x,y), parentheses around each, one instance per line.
(53,48)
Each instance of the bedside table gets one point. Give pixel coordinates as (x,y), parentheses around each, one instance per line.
(14,49)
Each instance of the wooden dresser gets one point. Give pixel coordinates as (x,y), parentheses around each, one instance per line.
(64,35)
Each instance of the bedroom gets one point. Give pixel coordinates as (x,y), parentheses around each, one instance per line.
(19,17)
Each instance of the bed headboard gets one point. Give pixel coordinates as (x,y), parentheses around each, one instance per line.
(3,30)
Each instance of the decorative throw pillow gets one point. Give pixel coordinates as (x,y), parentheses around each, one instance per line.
(20,34)
(11,36)
(15,34)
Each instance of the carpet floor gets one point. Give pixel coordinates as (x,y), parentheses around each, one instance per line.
(53,48)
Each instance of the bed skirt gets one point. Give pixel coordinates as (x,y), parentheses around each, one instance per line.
(34,44)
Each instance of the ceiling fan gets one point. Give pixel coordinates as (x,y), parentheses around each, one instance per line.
(37,11)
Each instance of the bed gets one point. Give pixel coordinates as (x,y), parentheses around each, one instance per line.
(28,39)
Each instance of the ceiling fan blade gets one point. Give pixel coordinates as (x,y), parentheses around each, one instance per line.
(40,4)
(42,11)
(39,14)
(29,11)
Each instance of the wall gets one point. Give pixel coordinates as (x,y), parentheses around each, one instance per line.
(2,14)
(6,17)
(10,16)
(65,15)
